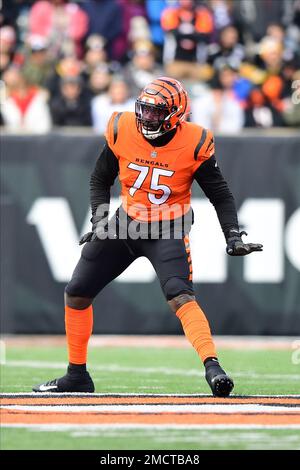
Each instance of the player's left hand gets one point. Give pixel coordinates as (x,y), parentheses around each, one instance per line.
(91,236)
(236,246)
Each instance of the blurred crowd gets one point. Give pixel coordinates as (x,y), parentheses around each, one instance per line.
(72,63)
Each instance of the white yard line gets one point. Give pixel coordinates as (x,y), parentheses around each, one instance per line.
(130,395)
(158,427)
(154,409)
(147,370)
(152,341)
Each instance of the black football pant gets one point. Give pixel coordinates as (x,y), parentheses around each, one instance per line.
(102,261)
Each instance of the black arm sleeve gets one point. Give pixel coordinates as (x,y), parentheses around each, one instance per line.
(103,177)
(211,181)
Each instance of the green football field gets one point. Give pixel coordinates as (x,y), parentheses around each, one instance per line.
(153,371)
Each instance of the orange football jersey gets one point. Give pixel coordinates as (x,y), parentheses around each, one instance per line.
(156,181)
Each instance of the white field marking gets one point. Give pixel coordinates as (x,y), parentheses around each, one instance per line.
(178,408)
(2,352)
(130,395)
(147,370)
(250,440)
(158,427)
(152,341)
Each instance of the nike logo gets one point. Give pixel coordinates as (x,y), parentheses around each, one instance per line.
(45,388)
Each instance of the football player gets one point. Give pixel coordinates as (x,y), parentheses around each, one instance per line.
(157,155)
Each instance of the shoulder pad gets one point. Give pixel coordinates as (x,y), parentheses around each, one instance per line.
(111,133)
(205,147)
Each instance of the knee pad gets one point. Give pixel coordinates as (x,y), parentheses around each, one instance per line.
(77,288)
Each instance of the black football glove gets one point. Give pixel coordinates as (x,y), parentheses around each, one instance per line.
(91,236)
(236,246)
(87,237)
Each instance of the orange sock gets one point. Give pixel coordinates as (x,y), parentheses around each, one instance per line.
(79,326)
(196,329)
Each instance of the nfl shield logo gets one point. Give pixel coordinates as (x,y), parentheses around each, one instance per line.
(153,154)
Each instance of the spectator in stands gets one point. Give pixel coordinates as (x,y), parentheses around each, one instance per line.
(138,29)
(202,36)
(277,32)
(188,29)
(24,107)
(134,27)
(7,46)
(7,39)
(260,112)
(63,24)
(142,69)
(154,13)
(293,27)
(12,11)
(254,16)
(269,71)
(99,80)
(4,62)
(288,72)
(37,67)
(95,53)
(222,11)
(220,109)
(227,50)
(274,74)
(72,106)
(291,113)
(271,54)
(272,89)
(105,19)
(290,53)
(67,67)
(117,99)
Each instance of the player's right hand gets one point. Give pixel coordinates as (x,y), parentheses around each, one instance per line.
(88,237)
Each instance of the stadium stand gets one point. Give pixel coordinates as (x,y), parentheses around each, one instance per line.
(61,61)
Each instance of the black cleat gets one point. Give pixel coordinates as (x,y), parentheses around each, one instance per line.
(71,382)
(220,383)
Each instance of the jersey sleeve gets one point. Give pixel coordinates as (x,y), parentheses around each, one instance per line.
(205,148)
(111,133)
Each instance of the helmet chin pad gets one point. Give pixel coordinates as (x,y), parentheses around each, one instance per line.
(152,134)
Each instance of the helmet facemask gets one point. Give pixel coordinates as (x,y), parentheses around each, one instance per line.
(152,119)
